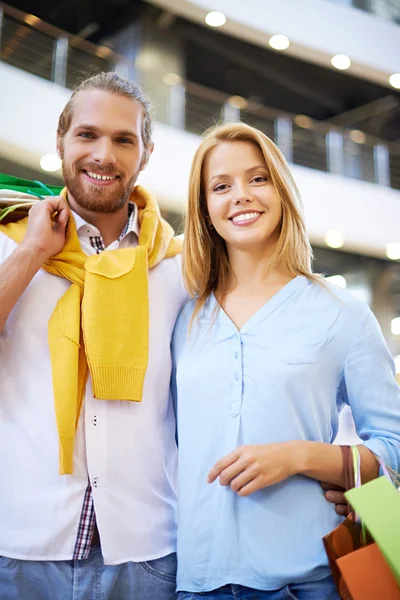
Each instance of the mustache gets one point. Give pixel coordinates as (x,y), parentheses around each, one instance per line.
(91,167)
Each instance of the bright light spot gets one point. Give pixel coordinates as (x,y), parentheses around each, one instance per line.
(397,363)
(238,102)
(31,20)
(215,19)
(357,136)
(395,326)
(338,280)
(341,62)
(148,59)
(103,51)
(50,162)
(279,42)
(303,121)
(394,80)
(334,238)
(172,79)
(393,250)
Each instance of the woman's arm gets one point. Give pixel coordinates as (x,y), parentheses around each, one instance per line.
(253,467)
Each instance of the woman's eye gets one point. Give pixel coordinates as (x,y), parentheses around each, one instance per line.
(220,188)
(259,179)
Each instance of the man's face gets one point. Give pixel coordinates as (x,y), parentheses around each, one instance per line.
(102,152)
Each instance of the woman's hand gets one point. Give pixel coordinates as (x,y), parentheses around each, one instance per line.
(251,468)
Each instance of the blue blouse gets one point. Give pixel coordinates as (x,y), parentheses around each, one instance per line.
(284,376)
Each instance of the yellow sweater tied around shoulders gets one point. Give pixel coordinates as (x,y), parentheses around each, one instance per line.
(101,323)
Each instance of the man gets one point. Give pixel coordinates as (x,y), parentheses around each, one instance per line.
(107,465)
(87,430)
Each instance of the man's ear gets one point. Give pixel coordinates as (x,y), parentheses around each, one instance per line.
(59,148)
(148,151)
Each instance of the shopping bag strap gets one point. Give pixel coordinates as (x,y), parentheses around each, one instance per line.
(348,472)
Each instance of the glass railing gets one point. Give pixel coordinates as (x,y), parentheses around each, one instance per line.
(32,45)
(385,9)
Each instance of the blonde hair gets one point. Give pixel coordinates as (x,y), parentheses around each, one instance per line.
(206,266)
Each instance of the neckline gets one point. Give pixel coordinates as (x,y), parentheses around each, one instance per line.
(227,326)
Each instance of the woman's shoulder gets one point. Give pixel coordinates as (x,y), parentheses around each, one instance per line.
(188,320)
(325,299)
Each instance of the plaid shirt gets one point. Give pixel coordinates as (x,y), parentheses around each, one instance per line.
(97,241)
(87,520)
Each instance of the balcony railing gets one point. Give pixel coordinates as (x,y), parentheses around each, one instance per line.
(34,46)
(386,9)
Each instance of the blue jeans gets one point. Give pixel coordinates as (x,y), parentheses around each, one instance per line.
(87,579)
(316,590)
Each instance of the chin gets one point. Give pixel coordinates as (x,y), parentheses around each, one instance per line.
(101,205)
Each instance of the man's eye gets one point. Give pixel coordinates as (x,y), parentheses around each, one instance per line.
(86,135)
(124,141)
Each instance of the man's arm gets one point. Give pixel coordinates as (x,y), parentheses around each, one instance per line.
(45,237)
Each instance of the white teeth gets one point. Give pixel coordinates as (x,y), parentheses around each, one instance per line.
(102,177)
(245,217)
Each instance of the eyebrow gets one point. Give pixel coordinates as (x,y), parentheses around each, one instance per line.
(223,175)
(94,129)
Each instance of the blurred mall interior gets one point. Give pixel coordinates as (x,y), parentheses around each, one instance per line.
(320,77)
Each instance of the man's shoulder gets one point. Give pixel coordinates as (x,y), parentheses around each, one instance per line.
(169,273)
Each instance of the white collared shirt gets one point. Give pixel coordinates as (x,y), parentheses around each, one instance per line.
(126,449)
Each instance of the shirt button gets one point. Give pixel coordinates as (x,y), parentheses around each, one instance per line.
(236,355)
(236,376)
(94,420)
(94,482)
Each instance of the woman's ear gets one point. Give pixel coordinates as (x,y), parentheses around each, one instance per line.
(209,223)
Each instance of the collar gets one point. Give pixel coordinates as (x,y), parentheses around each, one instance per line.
(132,224)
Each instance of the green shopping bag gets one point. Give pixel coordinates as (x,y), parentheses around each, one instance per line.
(378,504)
(18,195)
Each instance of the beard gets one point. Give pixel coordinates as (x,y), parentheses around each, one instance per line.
(97,198)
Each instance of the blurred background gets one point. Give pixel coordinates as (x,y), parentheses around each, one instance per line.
(320,77)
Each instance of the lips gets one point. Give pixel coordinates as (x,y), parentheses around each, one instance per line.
(101,179)
(247,217)
(99,176)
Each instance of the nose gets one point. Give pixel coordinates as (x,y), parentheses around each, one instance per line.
(242,194)
(103,152)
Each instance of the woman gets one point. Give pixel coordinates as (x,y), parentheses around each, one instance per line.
(265,355)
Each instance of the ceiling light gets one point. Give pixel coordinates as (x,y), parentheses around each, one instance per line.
(238,102)
(50,162)
(334,238)
(395,326)
(341,61)
(303,121)
(397,363)
(172,79)
(394,80)
(338,280)
(279,42)
(393,250)
(215,19)
(357,136)
(103,51)
(31,20)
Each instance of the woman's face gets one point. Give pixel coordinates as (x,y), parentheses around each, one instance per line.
(243,205)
